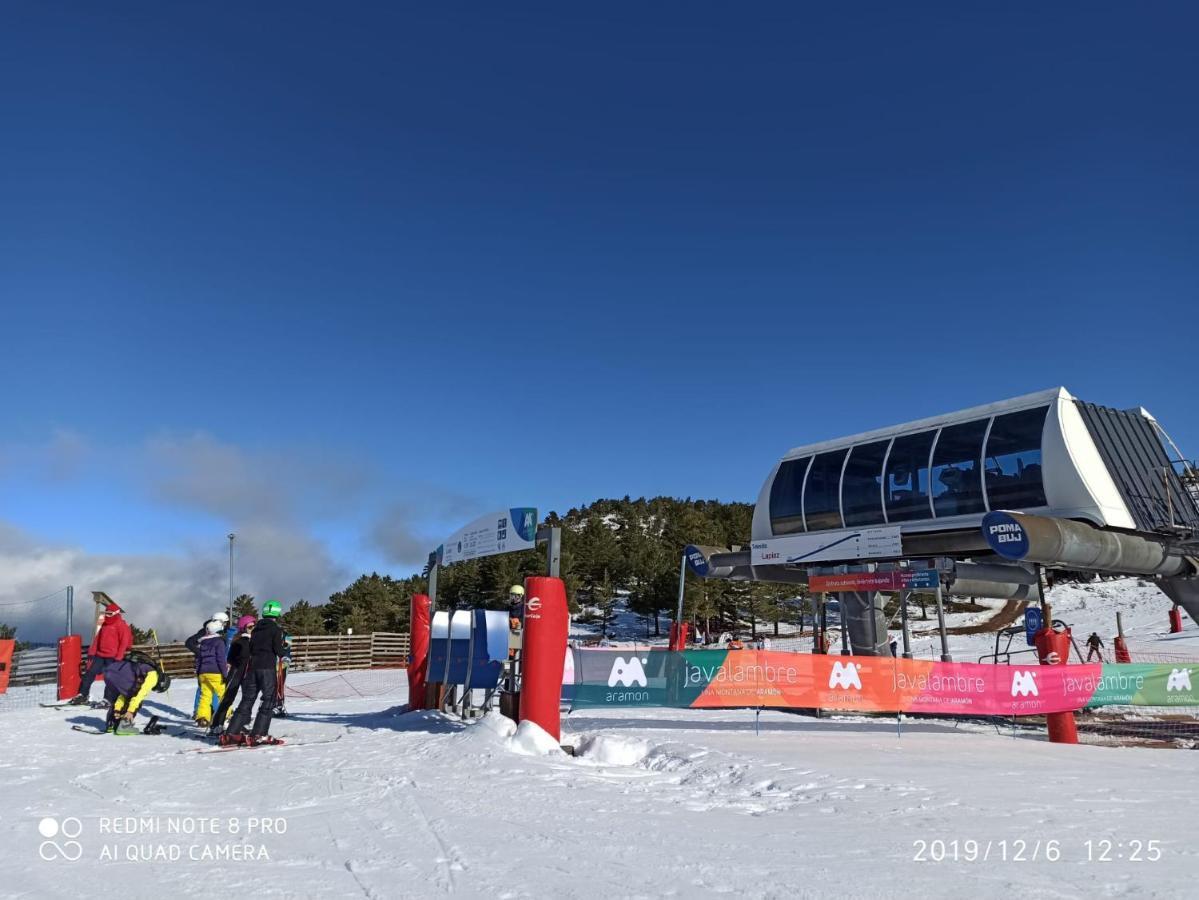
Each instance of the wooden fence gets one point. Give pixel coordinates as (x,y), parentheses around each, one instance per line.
(311,653)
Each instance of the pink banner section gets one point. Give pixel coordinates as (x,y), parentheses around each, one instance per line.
(876,684)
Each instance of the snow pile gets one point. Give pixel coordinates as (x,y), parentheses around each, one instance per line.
(531,740)
(609,750)
(497,731)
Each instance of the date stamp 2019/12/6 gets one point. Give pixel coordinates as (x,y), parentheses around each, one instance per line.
(1018,850)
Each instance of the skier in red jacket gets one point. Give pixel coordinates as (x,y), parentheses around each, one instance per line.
(113,639)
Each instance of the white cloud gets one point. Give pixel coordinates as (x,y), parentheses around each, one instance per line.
(171,593)
(197,471)
(273,498)
(402,531)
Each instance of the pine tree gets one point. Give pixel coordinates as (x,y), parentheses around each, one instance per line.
(303,618)
(244,606)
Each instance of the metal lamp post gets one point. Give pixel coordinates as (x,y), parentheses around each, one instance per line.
(232,536)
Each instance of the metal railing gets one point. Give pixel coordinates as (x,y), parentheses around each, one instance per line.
(309,653)
(35,665)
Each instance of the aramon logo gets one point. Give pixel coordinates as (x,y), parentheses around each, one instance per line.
(1024,683)
(630,673)
(845,676)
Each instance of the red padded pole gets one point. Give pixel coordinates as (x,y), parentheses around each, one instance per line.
(70,656)
(418,653)
(1053,649)
(547,622)
(7,648)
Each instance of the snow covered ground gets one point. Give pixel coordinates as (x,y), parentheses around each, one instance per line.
(1086,607)
(374,803)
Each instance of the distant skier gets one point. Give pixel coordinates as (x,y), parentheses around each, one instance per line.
(516,625)
(266,648)
(1094,643)
(113,639)
(516,608)
(212,669)
(127,682)
(239,664)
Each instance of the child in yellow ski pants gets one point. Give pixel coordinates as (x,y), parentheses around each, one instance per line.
(212,691)
(211,669)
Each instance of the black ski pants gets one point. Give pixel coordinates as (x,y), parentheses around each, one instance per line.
(95,666)
(236,676)
(257,683)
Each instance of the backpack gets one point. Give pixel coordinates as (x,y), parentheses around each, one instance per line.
(140,657)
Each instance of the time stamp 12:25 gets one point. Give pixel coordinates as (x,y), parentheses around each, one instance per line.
(1020,850)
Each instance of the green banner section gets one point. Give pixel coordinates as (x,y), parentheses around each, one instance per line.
(1146,684)
(643,677)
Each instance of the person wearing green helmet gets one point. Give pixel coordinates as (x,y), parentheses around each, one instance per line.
(261,681)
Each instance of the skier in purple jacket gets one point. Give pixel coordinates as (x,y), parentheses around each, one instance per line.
(211,671)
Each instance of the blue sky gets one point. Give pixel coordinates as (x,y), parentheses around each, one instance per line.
(357,274)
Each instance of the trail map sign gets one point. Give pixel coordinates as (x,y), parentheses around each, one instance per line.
(826,546)
(504,531)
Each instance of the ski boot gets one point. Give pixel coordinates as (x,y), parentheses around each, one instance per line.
(233,740)
(261,740)
(79,700)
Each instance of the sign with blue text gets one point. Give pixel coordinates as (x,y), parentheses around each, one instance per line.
(504,531)
(1032,623)
(697,560)
(1005,535)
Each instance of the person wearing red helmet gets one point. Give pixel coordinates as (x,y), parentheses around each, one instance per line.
(113,639)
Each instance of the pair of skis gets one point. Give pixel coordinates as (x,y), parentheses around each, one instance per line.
(91,704)
(209,749)
(265,746)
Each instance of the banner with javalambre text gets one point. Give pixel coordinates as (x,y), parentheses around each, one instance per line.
(713,679)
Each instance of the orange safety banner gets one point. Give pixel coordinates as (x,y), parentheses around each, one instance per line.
(713,679)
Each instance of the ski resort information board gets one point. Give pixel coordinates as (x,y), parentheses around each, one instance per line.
(504,531)
(827,546)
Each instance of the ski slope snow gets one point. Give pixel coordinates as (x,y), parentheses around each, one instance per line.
(369,801)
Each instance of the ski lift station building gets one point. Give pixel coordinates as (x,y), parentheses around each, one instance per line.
(1086,487)
(1046,454)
